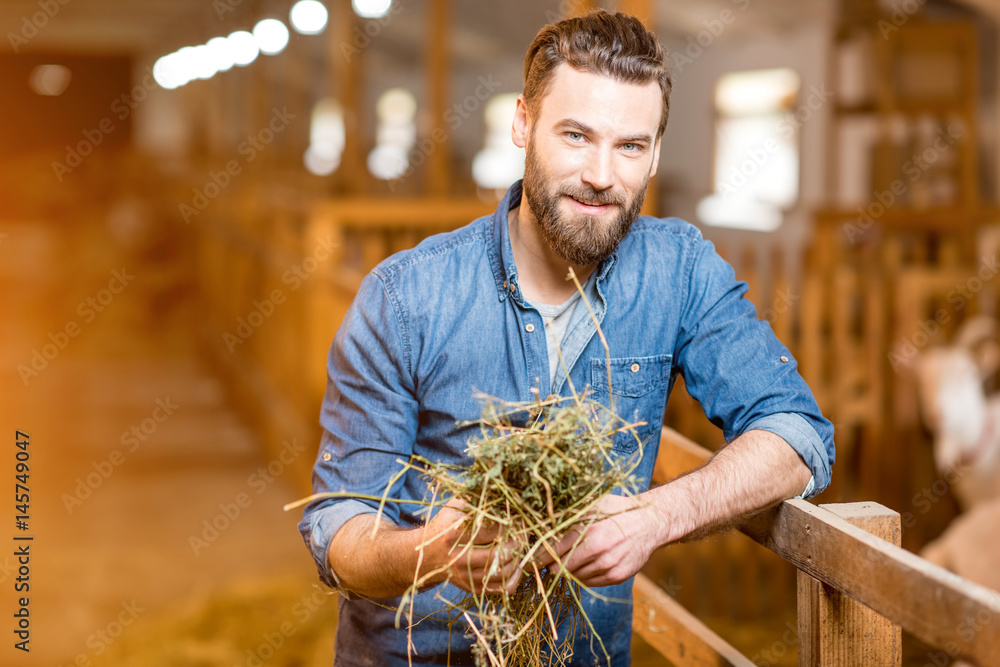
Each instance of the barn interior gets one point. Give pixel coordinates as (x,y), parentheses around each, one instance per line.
(192,191)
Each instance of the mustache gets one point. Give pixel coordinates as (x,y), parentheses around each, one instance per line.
(590,194)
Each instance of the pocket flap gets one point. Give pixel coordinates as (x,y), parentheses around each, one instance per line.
(630,376)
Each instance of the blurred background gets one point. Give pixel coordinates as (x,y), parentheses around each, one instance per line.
(191,191)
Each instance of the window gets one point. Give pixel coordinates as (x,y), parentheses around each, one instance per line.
(756,162)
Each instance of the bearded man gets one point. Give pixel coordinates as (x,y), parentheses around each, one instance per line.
(481,309)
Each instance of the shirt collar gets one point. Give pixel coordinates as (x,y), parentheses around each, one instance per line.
(502,254)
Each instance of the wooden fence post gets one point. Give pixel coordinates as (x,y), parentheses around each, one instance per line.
(836,630)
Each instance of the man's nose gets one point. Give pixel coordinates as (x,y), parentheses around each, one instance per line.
(599,173)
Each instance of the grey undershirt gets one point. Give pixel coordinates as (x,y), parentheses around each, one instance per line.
(557,319)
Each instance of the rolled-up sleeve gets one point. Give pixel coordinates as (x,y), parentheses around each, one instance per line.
(742,375)
(369,419)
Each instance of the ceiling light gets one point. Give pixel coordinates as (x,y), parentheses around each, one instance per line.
(309,17)
(243,47)
(49,80)
(221,53)
(371,9)
(271,36)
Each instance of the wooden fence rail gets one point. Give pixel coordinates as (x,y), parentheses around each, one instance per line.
(856,589)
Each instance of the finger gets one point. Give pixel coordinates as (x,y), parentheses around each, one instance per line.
(497,584)
(511,551)
(577,558)
(589,571)
(479,557)
(486,534)
(545,554)
(505,558)
(511,571)
(513,581)
(455,504)
(569,542)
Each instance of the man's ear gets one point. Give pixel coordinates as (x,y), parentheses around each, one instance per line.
(522,123)
(656,157)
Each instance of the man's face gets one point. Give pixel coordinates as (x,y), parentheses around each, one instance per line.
(590,151)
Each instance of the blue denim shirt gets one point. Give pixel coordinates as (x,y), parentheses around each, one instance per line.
(432,326)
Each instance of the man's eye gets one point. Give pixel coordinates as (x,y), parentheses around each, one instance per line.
(575,136)
(630,147)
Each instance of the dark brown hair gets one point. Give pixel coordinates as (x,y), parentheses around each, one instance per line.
(615,45)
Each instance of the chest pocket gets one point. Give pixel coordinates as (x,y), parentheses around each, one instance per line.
(639,385)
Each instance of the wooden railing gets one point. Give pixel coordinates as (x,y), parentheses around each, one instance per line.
(857,588)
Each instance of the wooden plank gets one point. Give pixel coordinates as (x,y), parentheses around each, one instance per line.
(844,284)
(939,607)
(782,310)
(430,213)
(673,631)
(438,74)
(835,630)
(874,452)
(903,218)
(346,58)
(810,354)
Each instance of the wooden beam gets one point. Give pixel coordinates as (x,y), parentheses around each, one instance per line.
(836,630)
(677,634)
(438,74)
(346,56)
(397,214)
(939,607)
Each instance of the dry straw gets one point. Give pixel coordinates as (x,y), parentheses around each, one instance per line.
(539,470)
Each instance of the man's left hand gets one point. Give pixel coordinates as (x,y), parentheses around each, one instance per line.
(613,548)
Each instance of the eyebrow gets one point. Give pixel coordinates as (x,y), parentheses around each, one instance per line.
(586,129)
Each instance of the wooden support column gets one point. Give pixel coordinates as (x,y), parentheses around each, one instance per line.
(833,628)
(438,73)
(346,56)
(215,106)
(296,74)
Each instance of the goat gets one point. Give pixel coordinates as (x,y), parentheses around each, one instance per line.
(964,420)
(970,547)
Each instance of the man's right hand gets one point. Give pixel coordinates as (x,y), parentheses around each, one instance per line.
(467,556)
(449,548)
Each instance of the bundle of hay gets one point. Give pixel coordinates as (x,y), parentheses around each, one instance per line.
(537,482)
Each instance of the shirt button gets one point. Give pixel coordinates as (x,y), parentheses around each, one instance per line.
(634,368)
(529,327)
(327,456)
(784,359)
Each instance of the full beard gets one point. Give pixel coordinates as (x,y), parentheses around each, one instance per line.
(579,239)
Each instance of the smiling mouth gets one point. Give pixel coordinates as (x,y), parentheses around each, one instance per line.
(593,203)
